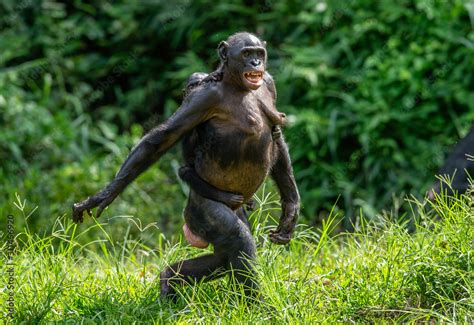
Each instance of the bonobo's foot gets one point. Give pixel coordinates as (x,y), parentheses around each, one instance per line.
(193,239)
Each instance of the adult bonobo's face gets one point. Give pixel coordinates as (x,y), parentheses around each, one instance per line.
(245,57)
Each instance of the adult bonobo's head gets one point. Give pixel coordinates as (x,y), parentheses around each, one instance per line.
(243,57)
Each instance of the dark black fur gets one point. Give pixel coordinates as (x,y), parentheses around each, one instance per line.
(226,122)
(458,167)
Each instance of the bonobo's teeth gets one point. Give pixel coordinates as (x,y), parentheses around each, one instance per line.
(253,76)
(253,73)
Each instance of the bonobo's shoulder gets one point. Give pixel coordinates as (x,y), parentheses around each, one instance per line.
(267,77)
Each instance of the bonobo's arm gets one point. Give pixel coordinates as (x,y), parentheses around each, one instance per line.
(282,174)
(197,108)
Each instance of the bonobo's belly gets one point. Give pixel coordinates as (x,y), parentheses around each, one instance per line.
(234,160)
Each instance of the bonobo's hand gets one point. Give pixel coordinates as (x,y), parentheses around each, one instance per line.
(101,200)
(231,199)
(279,237)
(282,235)
(276,132)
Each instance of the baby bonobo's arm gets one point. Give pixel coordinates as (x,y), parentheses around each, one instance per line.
(204,189)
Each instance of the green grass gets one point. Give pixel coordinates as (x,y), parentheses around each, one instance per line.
(380,272)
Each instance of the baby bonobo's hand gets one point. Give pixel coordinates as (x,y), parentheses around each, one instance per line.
(276,132)
(231,199)
(98,200)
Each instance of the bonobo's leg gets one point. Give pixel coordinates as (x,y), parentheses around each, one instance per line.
(206,190)
(243,216)
(234,247)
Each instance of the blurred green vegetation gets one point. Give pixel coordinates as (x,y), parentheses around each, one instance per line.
(376,92)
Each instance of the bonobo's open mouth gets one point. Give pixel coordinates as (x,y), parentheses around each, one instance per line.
(253,79)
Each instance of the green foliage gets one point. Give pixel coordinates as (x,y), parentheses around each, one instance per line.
(376,94)
(378,273)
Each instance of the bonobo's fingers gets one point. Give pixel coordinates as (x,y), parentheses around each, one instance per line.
(90,203)
(78,209)
(104,204)
(236,199)
(276,132)
(100,209)
(279,237)
(231,199)
(77,214)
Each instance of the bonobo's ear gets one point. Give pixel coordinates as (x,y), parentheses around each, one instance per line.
(222,49)
(264,44)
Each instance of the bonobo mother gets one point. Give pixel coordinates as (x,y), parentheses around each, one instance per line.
(228,120)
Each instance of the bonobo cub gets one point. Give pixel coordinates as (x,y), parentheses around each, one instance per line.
(459,165)
(228,124)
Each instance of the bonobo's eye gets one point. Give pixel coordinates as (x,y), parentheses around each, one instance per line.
(246,53)
(261,54)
